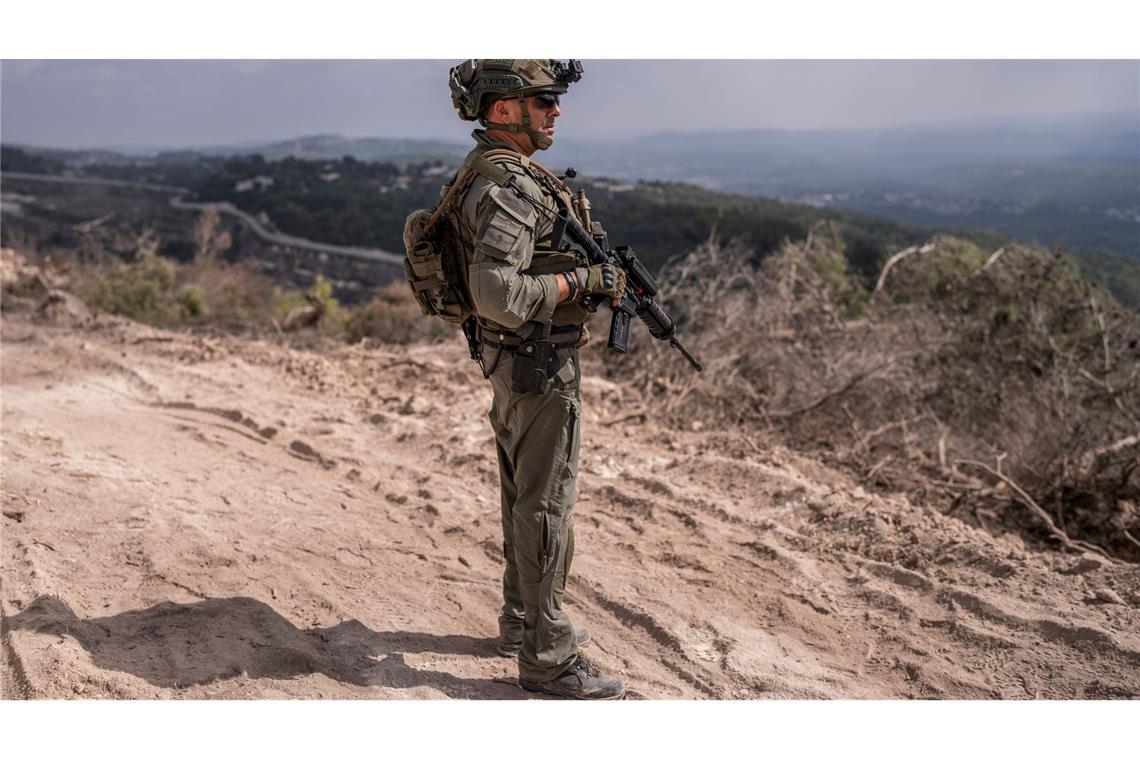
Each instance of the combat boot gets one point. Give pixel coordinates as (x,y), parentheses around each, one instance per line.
(511,649)
(582,680)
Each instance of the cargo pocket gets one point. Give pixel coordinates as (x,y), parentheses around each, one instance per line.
(567,375)
(551,541)
(573,436)
(548,630)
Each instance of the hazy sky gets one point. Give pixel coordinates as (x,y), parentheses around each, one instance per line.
(67,103)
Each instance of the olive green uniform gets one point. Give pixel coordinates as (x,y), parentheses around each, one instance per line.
(514,289)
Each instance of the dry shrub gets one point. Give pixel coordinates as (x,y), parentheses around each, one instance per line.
(963,379)
(392,316)
(235,297)
(158,291)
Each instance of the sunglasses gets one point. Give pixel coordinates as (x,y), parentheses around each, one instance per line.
(546,100)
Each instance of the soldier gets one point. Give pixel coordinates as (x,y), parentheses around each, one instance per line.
(525,293)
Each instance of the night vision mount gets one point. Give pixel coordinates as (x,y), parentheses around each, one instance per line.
(568,72)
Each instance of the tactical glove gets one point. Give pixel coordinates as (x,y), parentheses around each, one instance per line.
(601,278)
(585,337)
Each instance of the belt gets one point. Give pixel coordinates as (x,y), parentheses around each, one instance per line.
(566,335)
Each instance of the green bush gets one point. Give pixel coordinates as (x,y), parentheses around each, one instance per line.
(332,319)
(935,275)
(139,291)
(284,301)
(192,302)
(232,297)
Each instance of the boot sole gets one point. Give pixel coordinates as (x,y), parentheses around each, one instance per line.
(533,687)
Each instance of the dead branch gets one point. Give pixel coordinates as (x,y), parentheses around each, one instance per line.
(1103,334)
(84,228)
(1094,380)
(896,259)
(878,466)
(1041,514)
(993,258)
(882,429)
(1088,459)
(968,482)
(854,381)
(414,363)
(639,416)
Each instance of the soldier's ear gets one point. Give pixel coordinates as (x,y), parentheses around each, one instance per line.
(501,108)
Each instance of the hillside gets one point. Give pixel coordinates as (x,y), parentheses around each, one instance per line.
(200,516)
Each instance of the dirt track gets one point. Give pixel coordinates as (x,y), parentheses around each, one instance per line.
(190,517)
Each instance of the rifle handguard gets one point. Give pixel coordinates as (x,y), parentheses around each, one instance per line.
(641,286)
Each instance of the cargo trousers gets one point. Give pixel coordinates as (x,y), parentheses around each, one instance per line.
(537,438)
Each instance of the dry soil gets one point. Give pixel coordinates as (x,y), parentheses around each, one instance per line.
(206,517)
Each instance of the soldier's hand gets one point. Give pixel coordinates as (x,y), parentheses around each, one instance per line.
(602,278)
(585,337)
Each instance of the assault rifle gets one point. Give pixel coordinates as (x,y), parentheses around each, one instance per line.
(640,286)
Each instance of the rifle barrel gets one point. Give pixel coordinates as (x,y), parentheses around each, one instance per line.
(692,359)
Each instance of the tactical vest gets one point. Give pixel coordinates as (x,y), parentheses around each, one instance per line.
(439,244)
(545,260)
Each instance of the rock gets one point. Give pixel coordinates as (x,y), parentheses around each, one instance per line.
(1087,563)
(879,527)
(1108,596)
(1017,550)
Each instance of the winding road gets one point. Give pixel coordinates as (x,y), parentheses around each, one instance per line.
(258,229)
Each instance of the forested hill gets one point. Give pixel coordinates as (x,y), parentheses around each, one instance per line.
(664,219)
(364,203)
(354,202)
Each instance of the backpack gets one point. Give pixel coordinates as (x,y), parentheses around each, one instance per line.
(435,262)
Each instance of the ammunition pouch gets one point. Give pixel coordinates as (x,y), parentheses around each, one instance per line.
(531,365)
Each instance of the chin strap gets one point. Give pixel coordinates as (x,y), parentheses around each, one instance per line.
(540,140)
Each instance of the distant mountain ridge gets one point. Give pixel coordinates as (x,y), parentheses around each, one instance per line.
(309,147)
(362,148)
(1048,136)
(1051,137)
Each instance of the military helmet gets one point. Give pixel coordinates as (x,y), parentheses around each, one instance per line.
(477,82)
